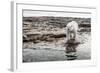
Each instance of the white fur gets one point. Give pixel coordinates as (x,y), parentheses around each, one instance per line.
(71,30)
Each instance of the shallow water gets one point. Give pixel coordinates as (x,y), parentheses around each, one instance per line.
(55,51)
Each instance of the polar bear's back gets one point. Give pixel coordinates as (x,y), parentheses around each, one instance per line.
(73,25)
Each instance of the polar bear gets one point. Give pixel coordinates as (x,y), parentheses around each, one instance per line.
(71,30)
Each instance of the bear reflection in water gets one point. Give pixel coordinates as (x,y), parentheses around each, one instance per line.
(71,46)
